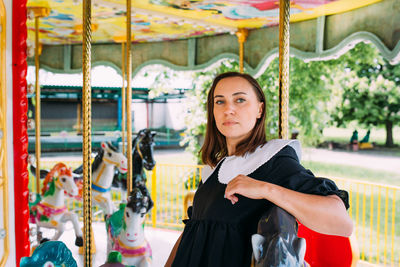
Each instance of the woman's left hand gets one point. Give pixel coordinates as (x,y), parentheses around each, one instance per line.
(245,186)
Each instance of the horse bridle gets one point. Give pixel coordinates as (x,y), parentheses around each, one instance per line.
(111,162)
(138,147)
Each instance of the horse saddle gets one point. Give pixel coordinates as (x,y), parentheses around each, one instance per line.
(276,242)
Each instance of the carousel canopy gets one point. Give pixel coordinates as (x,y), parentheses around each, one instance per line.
(186,34)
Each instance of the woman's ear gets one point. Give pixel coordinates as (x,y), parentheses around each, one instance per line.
(260,109)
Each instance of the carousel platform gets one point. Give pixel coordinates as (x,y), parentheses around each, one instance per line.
(161,242)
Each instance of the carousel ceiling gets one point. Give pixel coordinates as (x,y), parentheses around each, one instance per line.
(161,20)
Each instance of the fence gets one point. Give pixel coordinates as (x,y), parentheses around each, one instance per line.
(374,209)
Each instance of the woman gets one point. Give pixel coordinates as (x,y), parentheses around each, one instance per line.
(246,174)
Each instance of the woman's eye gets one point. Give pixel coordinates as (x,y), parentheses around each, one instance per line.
(219,102)
(240,100)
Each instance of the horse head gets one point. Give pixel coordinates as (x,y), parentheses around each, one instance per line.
(62,178)
(112,156)
(143,145)
(276,242)
(137,207)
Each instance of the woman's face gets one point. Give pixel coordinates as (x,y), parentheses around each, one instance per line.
(236,108)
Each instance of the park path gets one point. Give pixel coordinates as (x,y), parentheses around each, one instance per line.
(364,159)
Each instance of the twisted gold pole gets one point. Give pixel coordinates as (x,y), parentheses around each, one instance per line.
(242,36)
(123,100)
(37,108)
(87,145)
(284,18)
(128,96)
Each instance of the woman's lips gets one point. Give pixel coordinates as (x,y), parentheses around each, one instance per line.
(229,123)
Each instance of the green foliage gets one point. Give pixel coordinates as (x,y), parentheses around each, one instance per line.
(308,98)
(371,94)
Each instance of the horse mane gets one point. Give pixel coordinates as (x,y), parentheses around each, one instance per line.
(97,160)
(50,175)
(136,139)
(137,201)
(112,147)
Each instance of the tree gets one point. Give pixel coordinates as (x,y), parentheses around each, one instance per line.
(308,97)
(371,90)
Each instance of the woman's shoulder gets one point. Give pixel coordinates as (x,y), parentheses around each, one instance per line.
(287,152)
(282,154)
(279,148)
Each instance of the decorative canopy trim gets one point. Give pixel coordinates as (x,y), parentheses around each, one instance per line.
(393,56)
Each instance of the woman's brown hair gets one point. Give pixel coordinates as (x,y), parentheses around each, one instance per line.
(214,147)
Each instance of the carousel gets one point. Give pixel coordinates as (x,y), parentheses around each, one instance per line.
(72,36)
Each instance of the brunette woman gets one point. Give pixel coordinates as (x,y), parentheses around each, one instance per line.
(245,175)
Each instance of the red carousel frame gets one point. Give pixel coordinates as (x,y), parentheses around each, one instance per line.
(20,133)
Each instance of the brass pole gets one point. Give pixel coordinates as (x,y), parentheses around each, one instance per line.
(242,36)
(87,145)
(128,96)
(123,100)
(37,108)
(284,19)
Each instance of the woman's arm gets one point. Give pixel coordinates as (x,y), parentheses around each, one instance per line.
(173,253)
(323,214)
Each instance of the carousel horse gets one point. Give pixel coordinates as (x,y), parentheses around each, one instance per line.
(50,254)
(103,169)
(276,242)
(142,158)
(125,231)
(48,209)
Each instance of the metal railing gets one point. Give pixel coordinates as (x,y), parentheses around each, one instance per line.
(374,209)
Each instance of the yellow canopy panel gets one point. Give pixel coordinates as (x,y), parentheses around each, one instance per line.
(159,20)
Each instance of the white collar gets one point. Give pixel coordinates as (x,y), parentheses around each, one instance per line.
(235,165)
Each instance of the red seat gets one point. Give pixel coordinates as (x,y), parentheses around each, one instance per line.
(328,250)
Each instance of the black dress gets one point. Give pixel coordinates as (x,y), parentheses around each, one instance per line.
(218,233)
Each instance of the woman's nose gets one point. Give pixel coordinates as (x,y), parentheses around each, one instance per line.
(229,108)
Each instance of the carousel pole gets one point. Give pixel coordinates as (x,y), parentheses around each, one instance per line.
(128,96)
(37,107)
(284,18)
(37,13)
(242,36)
(87,145)
(123,100)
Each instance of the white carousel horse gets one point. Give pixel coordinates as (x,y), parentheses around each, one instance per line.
(125,231)
(103,173)
(48,210)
